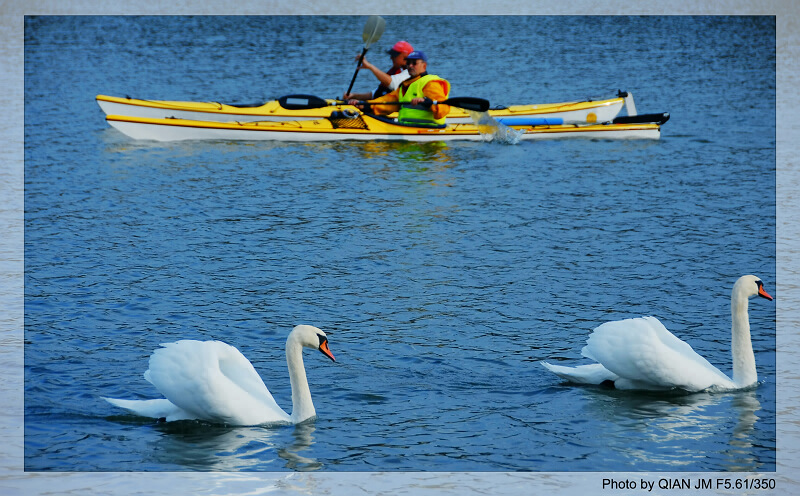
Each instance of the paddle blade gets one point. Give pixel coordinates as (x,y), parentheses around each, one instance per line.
(469,103)
(643,119)
(373,30)
(302,102)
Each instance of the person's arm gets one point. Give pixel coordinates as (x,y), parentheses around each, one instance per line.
(357,96)
(377,108)
(384,78)
(438,90)
(396,79)
(390,82)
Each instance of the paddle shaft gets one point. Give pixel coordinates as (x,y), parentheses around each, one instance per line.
(360,61)
(464,102)
(306,102)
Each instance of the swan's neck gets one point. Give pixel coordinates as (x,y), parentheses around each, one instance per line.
(302,407)
(744,362)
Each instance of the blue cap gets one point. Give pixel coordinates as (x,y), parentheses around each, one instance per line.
(417,55)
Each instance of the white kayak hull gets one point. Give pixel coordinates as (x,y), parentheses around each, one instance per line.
(322,130)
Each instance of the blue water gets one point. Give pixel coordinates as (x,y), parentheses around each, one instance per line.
(442,273)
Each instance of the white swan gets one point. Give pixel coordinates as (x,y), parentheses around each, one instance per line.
(213,381)
(642,354)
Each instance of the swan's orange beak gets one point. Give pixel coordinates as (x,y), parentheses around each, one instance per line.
(323,347)
(763,293)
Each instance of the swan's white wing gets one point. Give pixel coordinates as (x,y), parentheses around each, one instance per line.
(160,408)
(593,373)
(645,354)
(213,381)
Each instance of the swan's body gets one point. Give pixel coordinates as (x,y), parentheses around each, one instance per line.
(642,354)
(213,381)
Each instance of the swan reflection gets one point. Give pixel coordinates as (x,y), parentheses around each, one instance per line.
(202,446)
(302,441)
(740,453)
(677,429)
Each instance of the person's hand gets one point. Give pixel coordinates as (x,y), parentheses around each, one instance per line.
(366,65)
(426,102)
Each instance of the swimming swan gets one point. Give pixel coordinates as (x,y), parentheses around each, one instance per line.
(642,354)
(213,381)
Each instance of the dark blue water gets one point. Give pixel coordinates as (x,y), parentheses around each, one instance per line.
(442,273)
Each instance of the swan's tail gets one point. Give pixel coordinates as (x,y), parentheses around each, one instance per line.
(160,408)
(594,373)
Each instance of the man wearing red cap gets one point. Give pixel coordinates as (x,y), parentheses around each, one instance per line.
(390,79)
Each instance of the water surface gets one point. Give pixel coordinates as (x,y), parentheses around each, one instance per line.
(442,272)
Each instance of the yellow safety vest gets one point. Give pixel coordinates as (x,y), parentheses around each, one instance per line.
(417,114)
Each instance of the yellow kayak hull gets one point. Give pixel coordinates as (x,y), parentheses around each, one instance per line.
(583,111)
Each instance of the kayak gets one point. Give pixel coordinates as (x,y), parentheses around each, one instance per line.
(588,111)
(354,125)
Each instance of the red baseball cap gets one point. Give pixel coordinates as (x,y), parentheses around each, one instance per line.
(401,47)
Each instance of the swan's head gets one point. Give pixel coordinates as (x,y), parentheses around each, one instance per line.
(750,286)
(311,337)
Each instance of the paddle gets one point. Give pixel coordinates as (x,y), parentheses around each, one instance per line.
(643,119)
(557,121)
(372,33)
(306,102)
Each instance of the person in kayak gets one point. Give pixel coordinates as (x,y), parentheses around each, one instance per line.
(417,93)
(389,80)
